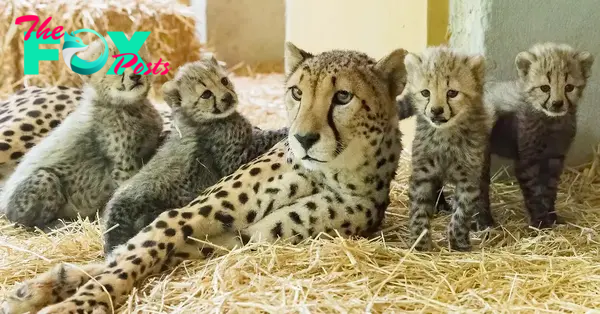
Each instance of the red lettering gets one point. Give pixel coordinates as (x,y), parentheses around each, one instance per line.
(166,69)
(42,30)
(149,69)
(156,69)
(57,31)
(138,68)
(28,18)
(121,58)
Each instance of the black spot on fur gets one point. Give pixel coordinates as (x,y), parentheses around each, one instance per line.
(161,224)
(224,218)
(173,213)
(187,231)
(243,198)
(4,146)
(62,97)
(277,231)
(170,232)
(205,210)
(186,215)
(54,123)
(311,205)
(254,171)
(251,216)
(34,113)
(16,155)
(26,127)
(59,107)
(149,243)
(295,218)
(228,205)
(256,187)
(221,194)
(39,101)
(236,184)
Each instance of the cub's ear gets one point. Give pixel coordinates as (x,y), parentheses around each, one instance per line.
(394,71)
(477,66)
(523,62)
(171,94)
(294,56)
(412,62)
(586,60)
(210,57)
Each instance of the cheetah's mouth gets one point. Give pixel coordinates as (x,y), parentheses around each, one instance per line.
(307,157)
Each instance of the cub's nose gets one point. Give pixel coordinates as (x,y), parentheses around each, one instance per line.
(436,111)
(307,140)
(557,104)
(135,77)
(227,99)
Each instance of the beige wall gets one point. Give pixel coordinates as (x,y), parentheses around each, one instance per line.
(375,28)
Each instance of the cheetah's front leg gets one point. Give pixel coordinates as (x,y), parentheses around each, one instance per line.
(422,196)
(468,198)
(550,179)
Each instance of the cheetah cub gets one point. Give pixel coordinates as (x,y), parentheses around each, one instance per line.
(78,166)
(209,140)
(537,121)
(451,140)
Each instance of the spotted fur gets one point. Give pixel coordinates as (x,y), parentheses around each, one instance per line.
(74,171)
(451,140)
(208,141)
(331,175)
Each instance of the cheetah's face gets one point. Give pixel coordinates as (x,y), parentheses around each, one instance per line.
(553,77)
(127,88)
(202,90)
(339,103)
(444,84)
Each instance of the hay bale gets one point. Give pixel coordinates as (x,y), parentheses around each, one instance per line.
(172,38)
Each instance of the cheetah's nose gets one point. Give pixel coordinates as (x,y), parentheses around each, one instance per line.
(227,98)
(557,104)
(436,111)
(135,78)
(307,140)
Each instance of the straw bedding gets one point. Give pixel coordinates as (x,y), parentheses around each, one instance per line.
(516,270)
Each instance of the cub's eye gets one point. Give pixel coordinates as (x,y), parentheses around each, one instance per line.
(225,81)
(569,88)
(545,88)
(425,93)
(206,95)
(452,93)
(342,97)
(296,93)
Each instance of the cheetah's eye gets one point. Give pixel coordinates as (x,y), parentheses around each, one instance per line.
(225,81)
(452,93)
(425,93)
(206,95)
(545,88)
(342,97)
(296,93)
(569,88)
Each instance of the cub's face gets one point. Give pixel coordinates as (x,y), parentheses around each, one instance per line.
(202,90)
(339,104)
(553,76)
(124,89)
(444,84)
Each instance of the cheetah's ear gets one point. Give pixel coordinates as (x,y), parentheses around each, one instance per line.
(394,71)
(523,62)
(210,57)
(586,60)
(294,56)
(412,62)
(171,94)
(477,66)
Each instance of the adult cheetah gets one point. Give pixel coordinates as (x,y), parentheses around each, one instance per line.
(332,174)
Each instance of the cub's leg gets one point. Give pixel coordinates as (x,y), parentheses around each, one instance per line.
(550,179)
(483,214)
(53,286)
(528,175)
(37,201)
(468,197)
(422,196)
